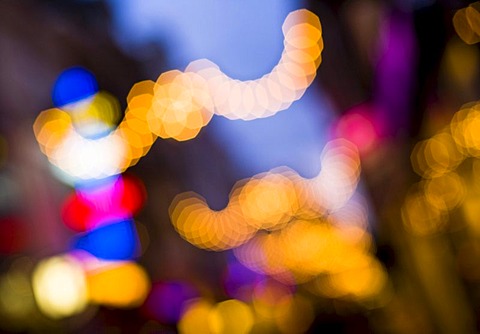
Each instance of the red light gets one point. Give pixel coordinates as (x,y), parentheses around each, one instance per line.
(87,209)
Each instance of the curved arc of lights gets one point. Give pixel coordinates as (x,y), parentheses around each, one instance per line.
(179,104)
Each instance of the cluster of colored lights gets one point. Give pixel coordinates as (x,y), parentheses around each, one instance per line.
(65,134)
(99,268)
(294,229)
(467,23)
(438,160)
(279,224)
(176,106)
(273,307)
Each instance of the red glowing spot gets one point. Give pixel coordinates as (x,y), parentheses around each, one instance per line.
(120,199)
(359,126)
(132,194)
(77,213)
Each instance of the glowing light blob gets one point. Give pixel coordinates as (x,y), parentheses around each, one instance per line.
(195,318)
(90,207)
(181,106)
(123,284)
(59,287)
(72,85)
(116,241)
(231,316)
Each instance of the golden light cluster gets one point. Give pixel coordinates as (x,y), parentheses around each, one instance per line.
(206,228)
(182,105)
(466,22)
(305,249)
(427,208)
(274,309)
(294,229)
(268,201)
(229,316)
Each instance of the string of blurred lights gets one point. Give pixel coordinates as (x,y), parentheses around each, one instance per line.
(176,106)
(294,229)
(281,225)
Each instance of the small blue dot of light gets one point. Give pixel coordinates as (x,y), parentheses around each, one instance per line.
(72,85)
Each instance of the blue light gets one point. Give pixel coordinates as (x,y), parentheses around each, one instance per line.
(117,241)
(72,85)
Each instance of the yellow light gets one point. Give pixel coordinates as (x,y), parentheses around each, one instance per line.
(463,28)
(94,116)
(365,280)
(231,317)
(266,298)
(268,201)
(294,314)
(50,127)
(181,106)
(305,246)
(472,13)
(208,229)
(123,284)
(195,318)
(436,156)
(445,192)
(464,127)
(59,287)
(419,216)
(263,254)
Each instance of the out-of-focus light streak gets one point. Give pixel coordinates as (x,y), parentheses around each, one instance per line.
(269,201)
(208,229)
(177,106)
(277,90)
(298,229)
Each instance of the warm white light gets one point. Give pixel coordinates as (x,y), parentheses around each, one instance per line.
(59,287)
